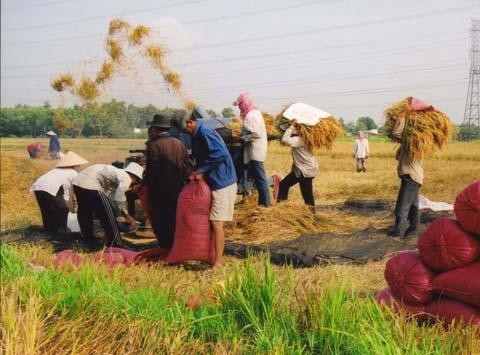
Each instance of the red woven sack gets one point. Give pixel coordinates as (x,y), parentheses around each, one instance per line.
(461,284)
(467,208)
(409,279)
(69,259)
(151,255)
(386,298)
(115,256)
(445,246)
(447,310)
(193,240)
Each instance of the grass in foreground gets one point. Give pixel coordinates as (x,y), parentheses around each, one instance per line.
(95,310)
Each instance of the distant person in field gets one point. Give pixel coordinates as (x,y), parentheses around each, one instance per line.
(34,149)
(254,134)
(54,145)
(100,189)
(304,167)
(214,165)
(53,193)
(361,151)
(165,176)
(407,210)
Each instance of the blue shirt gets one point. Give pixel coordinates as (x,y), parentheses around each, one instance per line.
(54,145)
(212,158)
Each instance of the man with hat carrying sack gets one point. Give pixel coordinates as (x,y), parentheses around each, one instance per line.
(53,191)
(165,176)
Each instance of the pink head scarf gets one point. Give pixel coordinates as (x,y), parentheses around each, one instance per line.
(361,135)
(245,103)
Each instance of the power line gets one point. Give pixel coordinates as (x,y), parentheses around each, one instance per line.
(102,17)
(42,4)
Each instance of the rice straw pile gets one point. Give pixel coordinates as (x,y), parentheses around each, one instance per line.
(236,125)
(323,134)
(63,82)
(105,73)
(270,126)
(87,89)
(425,131)
(137,35)
(116,25)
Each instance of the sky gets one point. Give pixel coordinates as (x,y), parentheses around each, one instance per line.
(351,58)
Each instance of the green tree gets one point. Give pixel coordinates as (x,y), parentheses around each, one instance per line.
(228,112)
(212,113)
(365,123)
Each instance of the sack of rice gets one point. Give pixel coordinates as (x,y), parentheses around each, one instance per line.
(448,311)
(467,208)
(386,297)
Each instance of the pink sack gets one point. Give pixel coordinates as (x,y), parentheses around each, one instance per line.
(447,310)
(409,279)
(467,208)
(461,284)
(68,258)
(151,255)
(386,298)
(115,256)
(193,239)
(445,246)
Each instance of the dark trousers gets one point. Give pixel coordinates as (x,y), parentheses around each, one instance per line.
(306,188)
(407,212)
(257,171)
(361,165)
(163,210)
(93,201)
(54,211)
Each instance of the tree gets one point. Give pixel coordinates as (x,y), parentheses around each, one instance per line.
(212,113)
(228,112)
(365,123)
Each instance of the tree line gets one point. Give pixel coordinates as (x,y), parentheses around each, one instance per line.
(119,119)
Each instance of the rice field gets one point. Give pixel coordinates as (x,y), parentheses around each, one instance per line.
(249,306)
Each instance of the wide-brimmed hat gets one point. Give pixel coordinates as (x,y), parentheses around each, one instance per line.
(160,121)
(70,159)
(51,133)
(135,169)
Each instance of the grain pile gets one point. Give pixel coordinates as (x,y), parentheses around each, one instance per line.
(425,131)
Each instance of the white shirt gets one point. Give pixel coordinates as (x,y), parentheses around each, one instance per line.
(112,181)
(256,149)
(360,149)
(304,163)
(54,179)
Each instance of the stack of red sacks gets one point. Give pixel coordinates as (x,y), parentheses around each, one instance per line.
(442,280)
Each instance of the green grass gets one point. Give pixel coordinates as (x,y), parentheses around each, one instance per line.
(255,313)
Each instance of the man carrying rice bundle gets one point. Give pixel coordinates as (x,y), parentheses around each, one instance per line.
(420,129)
(309,128)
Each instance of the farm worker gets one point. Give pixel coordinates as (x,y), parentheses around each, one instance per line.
(54,145)
(361,151)
(33,149)
(100,189)
(165,176)
(214,165)
(407,211)
(254,134)
(53,191)
(304,167)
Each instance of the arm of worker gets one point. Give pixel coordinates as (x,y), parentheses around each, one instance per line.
(295,141)
(248,136)
(121,199)
(399,127)
(217,153)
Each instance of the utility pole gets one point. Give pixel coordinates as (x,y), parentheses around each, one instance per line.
(471,118)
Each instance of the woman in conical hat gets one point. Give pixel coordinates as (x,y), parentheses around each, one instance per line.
(53,193)
(54,145)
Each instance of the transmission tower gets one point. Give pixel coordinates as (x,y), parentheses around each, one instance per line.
(471,118)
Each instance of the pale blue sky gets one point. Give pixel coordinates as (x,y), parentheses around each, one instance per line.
(350,58)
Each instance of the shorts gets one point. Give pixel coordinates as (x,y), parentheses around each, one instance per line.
(223,202)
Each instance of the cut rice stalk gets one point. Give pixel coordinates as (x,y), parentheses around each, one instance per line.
(138,34)
(63,82)
(105,74)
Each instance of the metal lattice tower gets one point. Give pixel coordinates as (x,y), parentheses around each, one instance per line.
(471,117)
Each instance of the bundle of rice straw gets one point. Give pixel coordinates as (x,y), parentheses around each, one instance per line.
(322,135)
(425,130)
(63,82)
(236,125)
(117,25)
(87,89)
(157,54)
(137,35)
(270,126)
(114,49)
(105,74)
(174,80)
(188,104)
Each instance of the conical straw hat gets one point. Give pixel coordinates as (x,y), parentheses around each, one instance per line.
(51,133)
(70,159)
